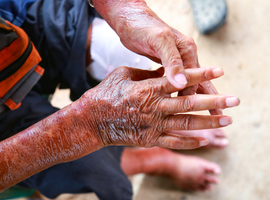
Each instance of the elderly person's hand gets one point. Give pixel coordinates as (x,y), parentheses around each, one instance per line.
(129,107)
(135,107)
(143,32)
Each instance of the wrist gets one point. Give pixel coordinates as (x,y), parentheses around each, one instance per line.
(118,13)
(84,124)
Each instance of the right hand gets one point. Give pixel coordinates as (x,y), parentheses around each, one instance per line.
(135,107)
(143,32)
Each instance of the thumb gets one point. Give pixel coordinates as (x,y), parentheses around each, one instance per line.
(173,64)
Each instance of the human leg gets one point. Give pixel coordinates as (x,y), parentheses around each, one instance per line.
(188,172)
(98,172)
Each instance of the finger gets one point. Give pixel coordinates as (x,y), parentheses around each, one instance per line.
(216,112)
(178,142)
(194,122)
(187,49)
(188,91)
(195,76)
(216,137)
(196,103)
(208,88)
(205,187)
(213,168)
(219,133)
(138,74)
(171,60)
(211,179)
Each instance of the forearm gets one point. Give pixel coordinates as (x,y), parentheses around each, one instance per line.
(63,136)
(122,14)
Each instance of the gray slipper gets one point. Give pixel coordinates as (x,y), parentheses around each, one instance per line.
(209,15)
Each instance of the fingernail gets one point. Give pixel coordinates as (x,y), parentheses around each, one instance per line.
(232,101)
(204,143)
(224,121)
(181,80)
(218,72)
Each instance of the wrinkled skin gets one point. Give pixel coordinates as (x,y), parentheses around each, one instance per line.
(129,107)
(143,32)
(136,110)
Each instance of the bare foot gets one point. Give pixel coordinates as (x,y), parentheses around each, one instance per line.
(216,137)
(188,172)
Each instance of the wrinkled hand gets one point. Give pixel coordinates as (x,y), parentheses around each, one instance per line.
(135,107)
(143,32)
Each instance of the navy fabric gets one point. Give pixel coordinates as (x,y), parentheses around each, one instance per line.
(98,172)
(33,109)
(59,31)
(14,10)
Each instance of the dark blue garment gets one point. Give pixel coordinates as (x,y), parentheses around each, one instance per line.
(14,10)
(59,31)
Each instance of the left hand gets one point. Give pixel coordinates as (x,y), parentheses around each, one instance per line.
(134,107)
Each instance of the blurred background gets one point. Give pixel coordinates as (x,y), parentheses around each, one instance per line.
(242,48)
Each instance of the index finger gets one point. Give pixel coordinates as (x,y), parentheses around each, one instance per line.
(207,87)
(194,76)
(171,59)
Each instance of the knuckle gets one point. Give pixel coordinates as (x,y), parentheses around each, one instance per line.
(148,99)
(164,33)
(219,104)
(186,122)
(122,69)
(191,45)
(190,40)
(188,104)
(167,31)
(150,82)
(162,126)
(206,76)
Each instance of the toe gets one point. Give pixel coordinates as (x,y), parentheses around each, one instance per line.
(205,187)
(212,168)
(211,179)
(219,133)
(220,142)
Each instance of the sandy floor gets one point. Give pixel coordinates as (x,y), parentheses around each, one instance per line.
(242,49)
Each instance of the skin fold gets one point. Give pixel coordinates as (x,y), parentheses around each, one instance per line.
(130,107)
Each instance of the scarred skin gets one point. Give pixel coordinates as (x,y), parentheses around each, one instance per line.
(143,32)
(129,107)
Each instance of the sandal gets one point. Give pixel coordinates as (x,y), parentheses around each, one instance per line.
(209,15)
